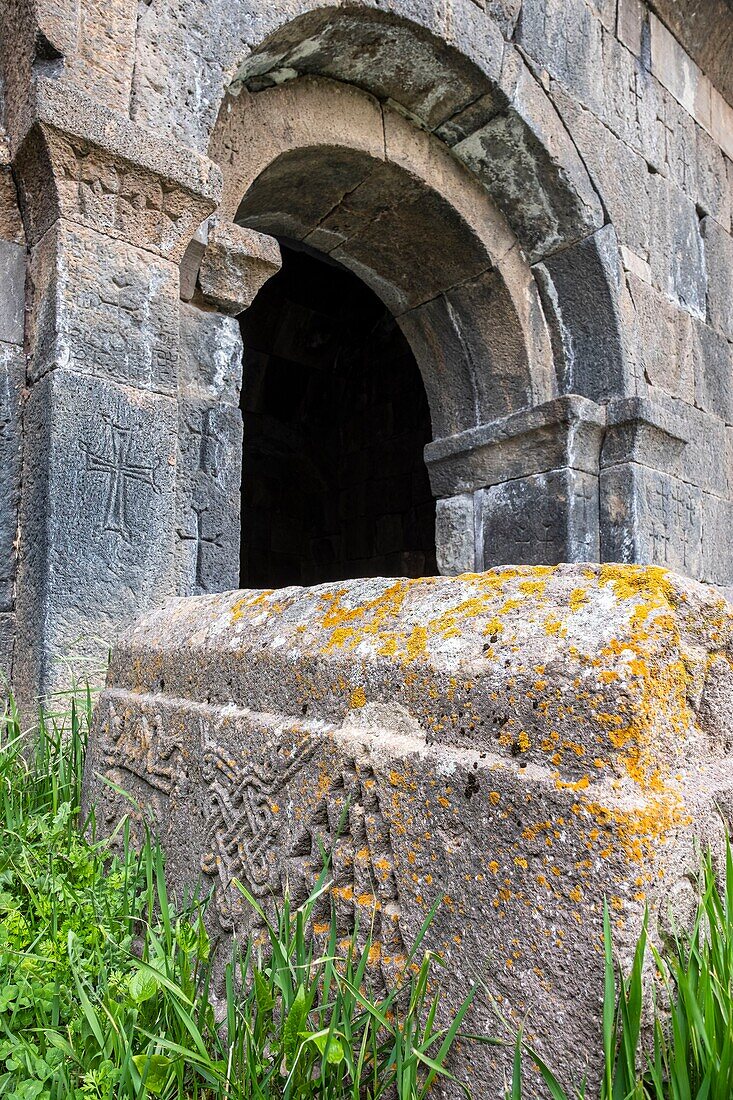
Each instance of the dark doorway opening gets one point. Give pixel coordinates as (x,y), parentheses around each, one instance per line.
(335,421)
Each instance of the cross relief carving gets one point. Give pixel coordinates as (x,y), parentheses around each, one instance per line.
(117,463)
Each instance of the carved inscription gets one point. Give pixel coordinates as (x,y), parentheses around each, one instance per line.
(246,822)
(140,758)
(349,828)
(116,463)
(202,540)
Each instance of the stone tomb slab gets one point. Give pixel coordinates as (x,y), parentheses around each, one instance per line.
(519,744)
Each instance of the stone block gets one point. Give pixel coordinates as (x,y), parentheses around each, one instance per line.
(12,292)
(669,435)
(236,264)
(82,161)
(472,323)
(563,432)
(717,524)
(540,520)
(525,160)
(565,37)
(679,74)
(719,265)
(452,739)
(631,19)
(7,641)
(663,341)
(713,356)
(105,308)
(11,227)
(677,254)
(104,60)
(713,192)
(618,173)
(211,355)
(208,492)
(721,127)
(12,380)
(455,540)
(649,516)
(97,520)
(580,290)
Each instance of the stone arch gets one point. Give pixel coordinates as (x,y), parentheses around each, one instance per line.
(454,76)
(327,165)
(528,337)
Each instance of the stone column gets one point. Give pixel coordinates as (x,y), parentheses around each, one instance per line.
(222,271)
(12,378)
(109,210)
(522,490)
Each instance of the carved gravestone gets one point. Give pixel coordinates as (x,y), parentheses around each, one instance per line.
(518,744)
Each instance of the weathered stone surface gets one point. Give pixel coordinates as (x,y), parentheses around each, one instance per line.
(97,519)
(236,264)
(12,379)
(713,356)
(7,641)
(209,476)
(103,307)
(580,288)
(676,253)
(719,265)
(540,520)
(455,535)
(519,744)
(662,341)
(211,355)
(564,432)
(87,163)
(12,291)
(650,516)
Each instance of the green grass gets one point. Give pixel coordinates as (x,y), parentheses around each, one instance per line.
(105,984)
(104,987)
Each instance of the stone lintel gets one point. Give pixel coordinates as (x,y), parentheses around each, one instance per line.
(446,738)
(83,161)
(236,263)
(564,432)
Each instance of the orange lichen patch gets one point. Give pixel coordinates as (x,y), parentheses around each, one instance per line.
(533,587)
(243,605)
(523,741)
(648,583)
(358,698)
(554,627)
(578,597)
(493,866)
(494,797)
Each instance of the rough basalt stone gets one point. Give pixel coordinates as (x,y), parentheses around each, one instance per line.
(519,745)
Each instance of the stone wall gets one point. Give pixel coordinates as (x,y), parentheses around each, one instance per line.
(545,205)
(516,745)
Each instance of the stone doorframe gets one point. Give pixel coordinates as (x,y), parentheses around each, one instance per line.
(131,430)
(501,342)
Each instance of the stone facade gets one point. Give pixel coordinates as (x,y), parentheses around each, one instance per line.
(544,206)
(516,745)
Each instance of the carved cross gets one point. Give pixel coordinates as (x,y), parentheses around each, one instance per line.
(121,470)
(208,444)
(201,540)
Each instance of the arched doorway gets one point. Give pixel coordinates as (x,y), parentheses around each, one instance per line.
(335,422)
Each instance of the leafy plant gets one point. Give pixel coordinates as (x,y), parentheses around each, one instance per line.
(105,986)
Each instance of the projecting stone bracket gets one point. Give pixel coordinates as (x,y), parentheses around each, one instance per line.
(81,161)
(228,265)
(520,490)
